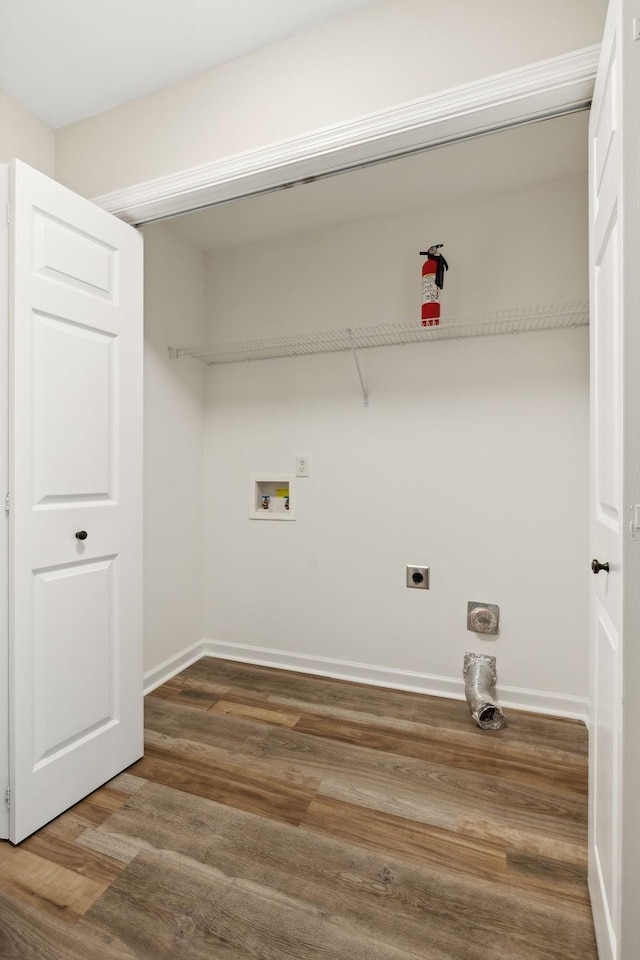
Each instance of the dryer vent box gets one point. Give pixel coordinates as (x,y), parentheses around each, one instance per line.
(483,617)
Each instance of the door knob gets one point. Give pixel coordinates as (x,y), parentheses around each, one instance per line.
(596,566)
(82,535)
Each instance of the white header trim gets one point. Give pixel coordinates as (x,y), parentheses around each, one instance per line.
(530,93)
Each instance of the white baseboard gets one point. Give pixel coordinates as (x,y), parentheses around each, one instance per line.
(164,671)
(542,701)
(515,698)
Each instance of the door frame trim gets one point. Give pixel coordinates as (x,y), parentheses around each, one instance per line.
(5,196)
(541,90)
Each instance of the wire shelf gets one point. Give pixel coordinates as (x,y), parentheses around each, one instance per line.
(521,320)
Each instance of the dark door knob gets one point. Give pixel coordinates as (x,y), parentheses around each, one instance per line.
(596,566)
(82,535)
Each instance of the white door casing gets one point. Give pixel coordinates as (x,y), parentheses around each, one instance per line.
(615,486)
(75,604)
(4,486)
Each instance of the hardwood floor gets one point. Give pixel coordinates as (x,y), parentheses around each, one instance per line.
(277,815)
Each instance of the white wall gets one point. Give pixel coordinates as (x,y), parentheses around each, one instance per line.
(25,137)
(472,457)
(173,467)
(386,54)
(518,247)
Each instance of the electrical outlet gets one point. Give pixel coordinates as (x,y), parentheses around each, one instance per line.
(418,577)
(302,466)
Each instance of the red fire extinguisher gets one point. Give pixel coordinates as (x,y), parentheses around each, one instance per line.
(432,282)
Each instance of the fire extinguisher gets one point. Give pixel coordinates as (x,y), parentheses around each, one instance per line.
(432,282)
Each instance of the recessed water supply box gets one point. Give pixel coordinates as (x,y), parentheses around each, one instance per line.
(272,497)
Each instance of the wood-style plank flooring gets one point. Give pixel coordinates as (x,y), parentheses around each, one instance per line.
(277,815)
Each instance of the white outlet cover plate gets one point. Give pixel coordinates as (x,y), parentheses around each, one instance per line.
(302,466)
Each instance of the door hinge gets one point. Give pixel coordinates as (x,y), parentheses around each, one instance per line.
(634,523)
(6,504)
(7,797)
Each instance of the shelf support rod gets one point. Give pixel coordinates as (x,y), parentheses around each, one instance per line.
(365,395)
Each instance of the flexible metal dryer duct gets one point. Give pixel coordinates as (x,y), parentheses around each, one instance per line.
(479,679)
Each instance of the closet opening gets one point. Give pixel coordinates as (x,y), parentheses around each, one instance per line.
(470,458)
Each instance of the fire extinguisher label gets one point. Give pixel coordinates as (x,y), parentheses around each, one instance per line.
(429,289)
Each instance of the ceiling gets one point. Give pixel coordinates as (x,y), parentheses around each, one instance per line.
(520,155)
(68,59)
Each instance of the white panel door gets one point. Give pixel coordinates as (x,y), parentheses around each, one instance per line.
(75,640)
(614,848)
